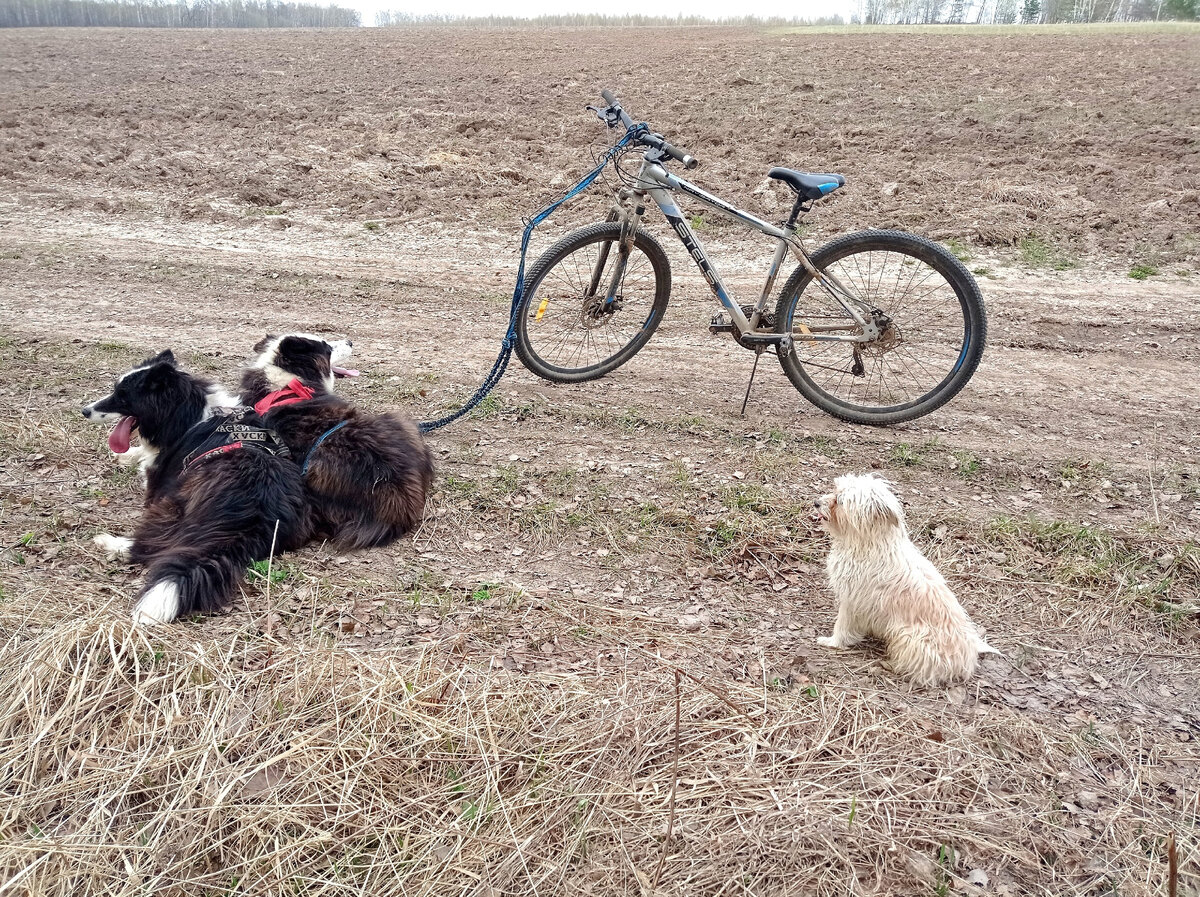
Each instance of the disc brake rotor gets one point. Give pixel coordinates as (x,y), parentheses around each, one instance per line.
(596,314)
(889,339)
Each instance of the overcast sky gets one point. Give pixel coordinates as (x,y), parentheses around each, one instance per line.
(709,8)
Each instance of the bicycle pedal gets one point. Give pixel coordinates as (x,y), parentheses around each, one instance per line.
(718,324)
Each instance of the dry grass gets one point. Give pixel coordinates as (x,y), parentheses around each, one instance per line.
(183,763)
(521,737)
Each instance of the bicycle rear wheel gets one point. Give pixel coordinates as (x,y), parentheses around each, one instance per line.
(932,344)
(565,331)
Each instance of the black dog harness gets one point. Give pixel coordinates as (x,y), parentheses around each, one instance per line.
(233,432)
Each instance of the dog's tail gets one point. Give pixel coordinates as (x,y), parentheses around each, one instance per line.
(188,582)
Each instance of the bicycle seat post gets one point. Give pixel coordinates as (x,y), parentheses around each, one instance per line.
(801,206)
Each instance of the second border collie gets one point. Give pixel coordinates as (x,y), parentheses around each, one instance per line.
(218,484)
(367,475)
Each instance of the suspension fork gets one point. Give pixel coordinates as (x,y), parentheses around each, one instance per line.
(630,221)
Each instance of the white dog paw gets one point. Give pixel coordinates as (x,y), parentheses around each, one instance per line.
(159,605)
(116,547)
(829,641)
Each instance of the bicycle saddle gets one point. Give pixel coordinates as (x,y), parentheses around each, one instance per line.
(810,186)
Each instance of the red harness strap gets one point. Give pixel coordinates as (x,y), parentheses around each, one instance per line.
(289,395)
(219,450)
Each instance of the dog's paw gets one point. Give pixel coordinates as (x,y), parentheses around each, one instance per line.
(159,605)
(829,641)
(116,547)
(135,457)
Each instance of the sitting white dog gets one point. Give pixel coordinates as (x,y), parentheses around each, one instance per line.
(887,589)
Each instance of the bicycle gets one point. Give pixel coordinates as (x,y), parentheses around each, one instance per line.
(845,344)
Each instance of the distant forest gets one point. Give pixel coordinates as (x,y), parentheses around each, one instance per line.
(869,12)
(160,14)
(268,14)
(628,20)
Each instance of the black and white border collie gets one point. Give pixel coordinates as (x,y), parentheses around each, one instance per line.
(367,475)
(218,483)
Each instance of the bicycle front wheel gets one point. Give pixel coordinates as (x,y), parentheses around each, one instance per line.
(930,345)
(568,331)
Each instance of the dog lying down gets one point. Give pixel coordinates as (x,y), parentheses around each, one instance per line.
(885,588)
(221,476)
(367,475)
(221,489)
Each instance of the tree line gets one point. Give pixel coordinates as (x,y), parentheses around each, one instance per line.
(407,19)
(1027,12)
(163,14)
(869,12)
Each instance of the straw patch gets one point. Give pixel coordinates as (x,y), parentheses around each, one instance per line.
(158,764)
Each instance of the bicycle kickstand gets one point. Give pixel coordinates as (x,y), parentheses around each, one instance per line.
(757,354)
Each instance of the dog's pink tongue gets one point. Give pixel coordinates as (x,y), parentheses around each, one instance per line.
(344,372)
(118,439)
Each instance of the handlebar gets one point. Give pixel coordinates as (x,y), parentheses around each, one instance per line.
(656,141)
(611,99)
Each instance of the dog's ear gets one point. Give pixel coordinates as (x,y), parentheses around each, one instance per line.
(166,356)
(887,509)
(263,343)
(161,373)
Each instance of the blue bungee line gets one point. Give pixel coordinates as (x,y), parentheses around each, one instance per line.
(510,338)
(316,445)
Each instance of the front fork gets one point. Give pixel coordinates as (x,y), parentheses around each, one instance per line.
(631,219)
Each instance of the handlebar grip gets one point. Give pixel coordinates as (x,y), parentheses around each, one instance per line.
(611,99)
(680,156)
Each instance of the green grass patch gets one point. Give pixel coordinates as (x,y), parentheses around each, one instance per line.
(1039,252)
(264,571)
(484,592)
(905,454)
(959,250)
(489,406)
(1089,557)
(748,497)
(966,463)
(1141,272)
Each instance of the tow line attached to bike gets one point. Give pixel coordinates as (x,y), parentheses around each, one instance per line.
(510,337)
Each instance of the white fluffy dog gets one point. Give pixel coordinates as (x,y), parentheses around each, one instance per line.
(887,589)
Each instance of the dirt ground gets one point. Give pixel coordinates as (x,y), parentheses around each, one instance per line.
(196,190)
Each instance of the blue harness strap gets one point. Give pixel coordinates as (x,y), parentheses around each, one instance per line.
(316,445)
(510,338)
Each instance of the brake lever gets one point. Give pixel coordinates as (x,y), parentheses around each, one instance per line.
(605,114)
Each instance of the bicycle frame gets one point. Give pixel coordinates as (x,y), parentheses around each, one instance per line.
(654,180)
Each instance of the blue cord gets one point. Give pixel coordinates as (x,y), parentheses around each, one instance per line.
(317,444)
(510,338)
